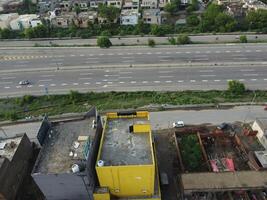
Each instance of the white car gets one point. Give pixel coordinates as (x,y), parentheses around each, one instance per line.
(178,124)
(24,82)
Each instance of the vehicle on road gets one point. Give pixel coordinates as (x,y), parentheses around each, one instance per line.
(265,108)
(24,82)
(178,124)
(223,126)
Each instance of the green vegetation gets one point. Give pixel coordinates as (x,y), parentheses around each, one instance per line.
(172,41)
(103,42)
(243,39)
(151,42)
(81,102)
(183,39)
(110,13)
(191,152)
(236,87)
(172,7)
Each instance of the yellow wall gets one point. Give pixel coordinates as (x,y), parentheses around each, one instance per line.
(141,128)
(130,180)
(140,114)
(104,196)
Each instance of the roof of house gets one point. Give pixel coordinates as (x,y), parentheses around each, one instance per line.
(122,147)
(224,180)
(262,123)
(8,147)
(151,12)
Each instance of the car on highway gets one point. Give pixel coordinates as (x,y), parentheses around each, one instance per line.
(178,124)
(24,82)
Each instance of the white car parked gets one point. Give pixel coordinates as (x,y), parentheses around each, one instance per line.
(178,124)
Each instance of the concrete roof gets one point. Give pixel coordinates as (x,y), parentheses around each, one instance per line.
(262,123)
(120,147)
(197,182)
(54,156)
(10,147)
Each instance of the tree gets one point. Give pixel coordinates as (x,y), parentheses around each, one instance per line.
(108,12)
(5,33)
(172,7)
(172,41)
(151,42)
(236,87)
(183,39)
(224,23)
(160,30)
(193,6)
(77,9)
(257,19)
(192,20)
(243,39)
(103,42)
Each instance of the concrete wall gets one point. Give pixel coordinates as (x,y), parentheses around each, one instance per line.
(65,186)
(45,126)
(16,170)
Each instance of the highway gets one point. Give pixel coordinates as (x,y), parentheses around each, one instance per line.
(194,67)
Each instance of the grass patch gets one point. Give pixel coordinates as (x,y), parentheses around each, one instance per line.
(17,108)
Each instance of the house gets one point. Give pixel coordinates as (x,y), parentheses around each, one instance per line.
(5,19)
(131,5)
(261,157)
(12,6)
(260,125)
(25,21)
(65,6)
(65,167)
(162,3)
(62,21)
(95,3)
(126,166)
(151,16)
(149,4)
(115,3)
(15,155)
(254,5)
(84,18)
(129,17)
(83,5)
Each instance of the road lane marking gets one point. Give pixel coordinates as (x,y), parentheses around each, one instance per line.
(192,81)
(52,85)
(85,74)
(204,80)
(165,76)
(240,58)
(247,70)
(85,78)
(164,60)
(241,80)
(6,78)
(207,75)
(258,50)
(248,51)
(207,70)
(265,79)
(253,79)
(41,85)
(109,82)
(121,82)
(7,87)
(125,72)
(144,81)
(18,86)
(133,82)
(168,81)
(75,84)
(29,86)
(47,75)
(87,83)
(250,74)
(163,56)
(156,81)
(64,84)
(217,80)
(164,72)
(45,80)
(97,83)
(91,62)
(6,82)
(127,57)
(180,81)
(125,77)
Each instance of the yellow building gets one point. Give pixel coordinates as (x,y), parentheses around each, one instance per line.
(126,164)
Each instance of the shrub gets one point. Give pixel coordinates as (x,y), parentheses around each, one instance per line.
(183,39)
(74,96)
(151,42)
(172,41)
(11,115)
(235,87)
(243,39)
(103,42)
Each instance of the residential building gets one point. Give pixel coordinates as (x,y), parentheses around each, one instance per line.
(115,3)
(129,17)
(5,19)
(95,3)
(149,4)
(162,3)
(65,167)
(65,6)
(63,21)
(83,5)
(11,6)
(151,16)
(262,158)
(260,125)
(84,18)
(131,5)
(15,155)
(25,21)
(126,166)
(254,5)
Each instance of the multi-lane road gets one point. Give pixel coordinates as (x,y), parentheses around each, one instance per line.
(57,70)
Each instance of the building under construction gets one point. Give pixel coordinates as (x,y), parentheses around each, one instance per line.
(126,166)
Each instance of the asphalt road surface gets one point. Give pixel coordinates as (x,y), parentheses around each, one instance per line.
(57,70)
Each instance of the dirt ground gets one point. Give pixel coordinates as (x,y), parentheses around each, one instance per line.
(167,162)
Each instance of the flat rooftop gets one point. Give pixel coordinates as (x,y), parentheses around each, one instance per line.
(120,147)
(224,180)
(262,122)
(8,147)
(13,130)
(65,145)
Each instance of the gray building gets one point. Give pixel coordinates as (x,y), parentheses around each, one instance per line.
(15,155)
(65,167)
